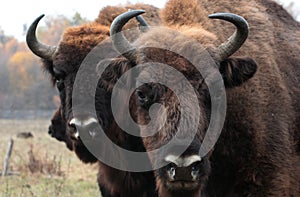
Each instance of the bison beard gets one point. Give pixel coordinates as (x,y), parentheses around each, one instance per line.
(257,153)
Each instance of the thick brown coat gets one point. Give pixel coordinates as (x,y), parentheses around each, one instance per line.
(261,133)
(258,151)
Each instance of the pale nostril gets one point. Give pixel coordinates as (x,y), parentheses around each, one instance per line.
(74,130)
(73,127)
(195,174)
(171,171)
(93,129)
(87,125)
(72,124)
(195,170)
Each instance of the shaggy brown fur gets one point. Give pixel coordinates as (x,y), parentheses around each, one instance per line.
(75,44)
(258,151)
(109,13)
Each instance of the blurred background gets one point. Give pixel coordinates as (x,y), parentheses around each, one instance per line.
(40,165)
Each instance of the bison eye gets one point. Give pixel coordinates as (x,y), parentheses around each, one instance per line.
(60,85)
(58,74)
(142,97)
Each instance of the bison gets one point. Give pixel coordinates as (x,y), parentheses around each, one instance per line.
(257,153)
(62,63)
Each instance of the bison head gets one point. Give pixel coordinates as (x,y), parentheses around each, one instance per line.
(183,171)
(62,63)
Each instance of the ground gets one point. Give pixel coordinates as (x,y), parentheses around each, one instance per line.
(46,166)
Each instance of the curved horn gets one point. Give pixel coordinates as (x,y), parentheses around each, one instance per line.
(235,41)
(121,44)
(142,21)
(143,25)
(38,48)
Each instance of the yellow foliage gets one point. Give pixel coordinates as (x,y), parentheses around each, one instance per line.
(22,66)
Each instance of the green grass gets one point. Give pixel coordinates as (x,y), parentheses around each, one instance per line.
(45,187)
(56,171)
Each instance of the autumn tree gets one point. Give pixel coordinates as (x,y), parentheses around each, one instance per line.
(23,71)
(55,26)
(77,19)
(23,84)
(8,46)
(52,32)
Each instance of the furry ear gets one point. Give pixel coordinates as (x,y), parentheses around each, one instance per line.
(236,71)
(48,68)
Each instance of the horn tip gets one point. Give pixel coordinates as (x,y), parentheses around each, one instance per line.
(230,17)
(120,20)
(32,28)
(40,17)
(221,14)
(137,12)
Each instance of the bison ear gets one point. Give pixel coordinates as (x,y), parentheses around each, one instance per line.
(48,68)
(55,74)
(235,71)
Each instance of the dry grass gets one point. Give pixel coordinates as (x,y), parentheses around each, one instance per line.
(46,166)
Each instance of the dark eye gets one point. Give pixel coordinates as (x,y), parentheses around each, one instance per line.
(142,97)
(59,74)
(60,84)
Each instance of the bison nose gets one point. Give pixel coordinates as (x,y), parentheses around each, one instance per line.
(183,168)
(84,124)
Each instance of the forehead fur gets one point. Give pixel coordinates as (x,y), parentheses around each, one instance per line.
(76,43)
(109,13)
(84,36)
(176,35)
(167,46)
(183,12)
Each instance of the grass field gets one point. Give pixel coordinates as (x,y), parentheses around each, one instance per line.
(46,166)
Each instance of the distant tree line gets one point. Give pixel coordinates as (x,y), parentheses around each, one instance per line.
(23,84)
